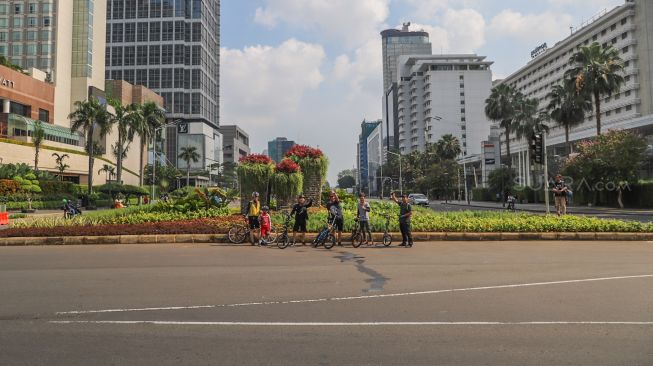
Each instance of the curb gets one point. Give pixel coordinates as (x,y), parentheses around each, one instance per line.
(222,239)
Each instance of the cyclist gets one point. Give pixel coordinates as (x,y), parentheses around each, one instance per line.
(253,211)
(405,212)
(335,211)
(363,216)
(300,210)
(266,225)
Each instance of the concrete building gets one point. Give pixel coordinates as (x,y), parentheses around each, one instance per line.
(375,158)
(278,148)
(440,95)
(367,128)
(236,143)
(397,43)
(173,48)
(626,28)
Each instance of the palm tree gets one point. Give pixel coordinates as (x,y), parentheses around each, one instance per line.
(149,118)
(38,135)
(61,166)
(567,107)
(500,107)
(109,170)
(188,154)
(597,71)
(530,120)
(448,147)
(88,116)
(125,118)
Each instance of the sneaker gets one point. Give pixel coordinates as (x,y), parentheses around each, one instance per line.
(410,245)
(402,244)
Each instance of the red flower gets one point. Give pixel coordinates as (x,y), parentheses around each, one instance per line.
(303,151)
(256,159)
(287,166)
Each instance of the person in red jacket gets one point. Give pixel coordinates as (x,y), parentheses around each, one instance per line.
(266,225)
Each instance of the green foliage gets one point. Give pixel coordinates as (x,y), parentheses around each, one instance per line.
(166,176)
(17,216)
(8,171)
(287,186)
(4,61)
(254,177)
(193,199)
(8,187)
(115,189)
(54,187)
(346,181)
(502,179)
(484,194)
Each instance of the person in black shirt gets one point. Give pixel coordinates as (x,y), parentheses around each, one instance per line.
(405,212)
(560,191)
(335,211)
(300,210)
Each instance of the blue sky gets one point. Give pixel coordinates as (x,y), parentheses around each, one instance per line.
(310,70)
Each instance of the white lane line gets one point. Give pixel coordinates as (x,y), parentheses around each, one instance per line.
(355,297)
(341,324)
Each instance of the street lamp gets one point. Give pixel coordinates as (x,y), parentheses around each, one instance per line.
(401,187)
(156,130)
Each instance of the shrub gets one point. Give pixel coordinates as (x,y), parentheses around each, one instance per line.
(8,187)
(484,194)
(287,166)
(54,187)
(256,159)
(115,189)
(254,174)
(304,152)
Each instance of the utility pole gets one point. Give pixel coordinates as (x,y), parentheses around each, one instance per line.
(546,174)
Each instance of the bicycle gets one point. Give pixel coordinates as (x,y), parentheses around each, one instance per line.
(325,236)
(283,240)
(239,232)
(387,238)
(357,235)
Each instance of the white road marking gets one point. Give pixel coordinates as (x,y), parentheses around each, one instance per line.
(340,324)
(364,297)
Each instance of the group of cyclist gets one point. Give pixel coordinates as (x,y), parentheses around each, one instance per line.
(260,225)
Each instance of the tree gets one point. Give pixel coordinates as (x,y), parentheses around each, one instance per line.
(127,121)
(597,71)
(61,166)
(351,172)
(188,154)
(502,179)
(611,161)
(88,116)
(165,176)
(7,63)
(109,170)
(346,181)
(29,185)
(448,147)
(38,135)
(149,117)
(500,107)
(529,120)
(567,107)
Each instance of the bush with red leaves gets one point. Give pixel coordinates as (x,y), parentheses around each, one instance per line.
(287,166)
(303,151)
(256,159)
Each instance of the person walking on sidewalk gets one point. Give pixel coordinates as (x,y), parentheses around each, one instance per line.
(560,192)
(363,217)
(405,212)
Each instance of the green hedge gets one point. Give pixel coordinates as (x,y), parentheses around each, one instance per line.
(54,187)
(483,194)
(49,205)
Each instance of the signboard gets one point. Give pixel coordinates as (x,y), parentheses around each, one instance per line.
(182,128)
(6,82)
(490,161)
(539,50)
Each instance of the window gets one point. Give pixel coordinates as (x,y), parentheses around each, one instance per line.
(141,77)
(167,33)
(18,8)
(3,22)
(179,78)
(155,76)
(155,31)
(603,32)
(116,56)
(624,21)
(155,55)
(197,32)
(17,50)
(179,54)
(130,9)
(166,78)
(47,21)
(16,36)
(116,75)
(179,31)
(45,49)
(117,35)
(617,111)
(142,32)
(18,22)
(155,8)
(196,55)
(143,8)
(3,9)
(627,93)
(613,27)
(462,110)
(186,79)
(44,115)
(166,8)
(47,7)
(3,36)
(195,103)
(196,79)
(608,113)
(118,8)
(624,50)
(167,54)
(624,36)
(141,55)
(32,22)
(627,63)
(129,76)
(130,56)
(629,107)
(130,32)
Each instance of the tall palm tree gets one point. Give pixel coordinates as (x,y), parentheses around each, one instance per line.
(188,154)
(530,120)
(567,107)
(448,147)
(126,119)
(89,116)
(597,71)
(149,118)
(500,107)
(38,135)
(109,170)
(61,166)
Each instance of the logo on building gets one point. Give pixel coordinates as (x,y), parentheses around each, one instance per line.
(539,50)
(182,128)
(6,82)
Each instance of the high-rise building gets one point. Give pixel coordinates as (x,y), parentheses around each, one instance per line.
(367,128)
(443,95)
(278,148)
(626,28)
(236,143)
(375,158)
(396,43)
(172,47)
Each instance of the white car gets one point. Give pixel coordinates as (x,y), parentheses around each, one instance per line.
(418,199)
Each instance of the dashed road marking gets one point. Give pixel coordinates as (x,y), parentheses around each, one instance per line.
(341,324)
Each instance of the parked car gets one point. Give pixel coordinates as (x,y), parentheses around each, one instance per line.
(418,199)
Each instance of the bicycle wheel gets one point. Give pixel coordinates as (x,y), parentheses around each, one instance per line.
(283,241)
(237,234)
(356,240)
(330,242)
(387,239)
(272,237)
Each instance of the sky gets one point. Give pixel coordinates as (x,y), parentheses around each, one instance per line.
(311,70)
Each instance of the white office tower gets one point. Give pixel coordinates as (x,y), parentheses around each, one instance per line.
(440,95)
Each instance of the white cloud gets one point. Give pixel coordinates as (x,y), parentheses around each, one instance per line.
(363,73)
(530,27)
(262,84)
(346,21)
(459,31)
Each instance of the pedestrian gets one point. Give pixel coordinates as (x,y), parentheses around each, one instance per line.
(363,217)
(300,210)
(405,213)
(335,214)
(266,225)
(560,193)
(253,211)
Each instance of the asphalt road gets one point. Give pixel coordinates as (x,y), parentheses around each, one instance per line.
(480,303)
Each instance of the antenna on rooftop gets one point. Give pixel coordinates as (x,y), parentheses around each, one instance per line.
(405,27)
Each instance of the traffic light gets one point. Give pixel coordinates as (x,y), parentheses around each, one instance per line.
(536,148)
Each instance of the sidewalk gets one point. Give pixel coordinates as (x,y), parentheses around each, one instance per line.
(541,208)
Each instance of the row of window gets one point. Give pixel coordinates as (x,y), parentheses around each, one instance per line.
(131,9)
(166,54)
(20,35)
(45,21)
(31,49)
(29,8)
(180,78)
(154,32)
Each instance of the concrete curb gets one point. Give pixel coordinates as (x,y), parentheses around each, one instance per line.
(222,239)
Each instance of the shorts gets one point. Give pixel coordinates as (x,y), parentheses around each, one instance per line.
(339,224)
(265,231)
(365,226)
(299,227)
(253,222)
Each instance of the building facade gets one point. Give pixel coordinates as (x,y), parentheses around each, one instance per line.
(173,48)
(397,43)
(236,143)
(440,95)
(278,148)
(627,29)
(367,128)
(375,158)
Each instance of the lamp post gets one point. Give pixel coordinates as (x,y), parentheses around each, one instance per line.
(401,186)
(156,131)
(446,192)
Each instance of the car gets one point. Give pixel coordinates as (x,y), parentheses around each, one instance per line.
(418,199)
